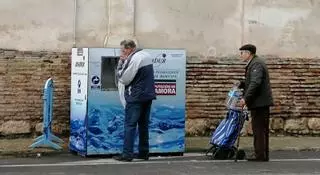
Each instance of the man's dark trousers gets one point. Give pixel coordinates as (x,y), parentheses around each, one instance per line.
(260,128)
(136,114)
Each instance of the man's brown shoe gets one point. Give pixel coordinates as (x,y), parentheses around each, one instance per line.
(254,158)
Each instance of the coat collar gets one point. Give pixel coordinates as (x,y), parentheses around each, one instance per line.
(248,63)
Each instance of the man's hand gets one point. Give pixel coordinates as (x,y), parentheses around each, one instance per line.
(237,83)
(242,103)
(121,62)
(122,57)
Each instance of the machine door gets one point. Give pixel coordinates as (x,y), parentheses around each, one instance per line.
(105,111)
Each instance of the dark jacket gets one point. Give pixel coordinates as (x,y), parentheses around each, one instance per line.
(257,89)
(137,74)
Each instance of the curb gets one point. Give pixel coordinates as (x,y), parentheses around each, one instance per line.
(33,153)
(38,154)
(312,149)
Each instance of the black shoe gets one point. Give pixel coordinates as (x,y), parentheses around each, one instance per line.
(144,157)
(122,158)
(241,155)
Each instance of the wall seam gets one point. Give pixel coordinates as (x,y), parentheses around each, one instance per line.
(242,20)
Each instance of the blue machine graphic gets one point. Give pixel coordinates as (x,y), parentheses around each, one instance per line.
(97,115)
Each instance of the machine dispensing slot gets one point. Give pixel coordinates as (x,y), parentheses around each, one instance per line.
(108,73)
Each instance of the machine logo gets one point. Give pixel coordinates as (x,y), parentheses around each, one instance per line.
(158,60)
(80,64)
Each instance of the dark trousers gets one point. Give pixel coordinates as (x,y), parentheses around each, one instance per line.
(136,114)
(260,128)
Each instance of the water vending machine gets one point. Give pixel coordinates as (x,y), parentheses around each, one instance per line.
(96,112)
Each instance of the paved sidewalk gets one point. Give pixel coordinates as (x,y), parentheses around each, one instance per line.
(20,147)
(196,144)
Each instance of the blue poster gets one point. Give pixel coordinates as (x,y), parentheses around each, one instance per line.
(167,127)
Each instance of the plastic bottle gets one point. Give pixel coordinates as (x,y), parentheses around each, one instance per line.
(233,98)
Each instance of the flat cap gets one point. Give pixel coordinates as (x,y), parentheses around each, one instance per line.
(249,47)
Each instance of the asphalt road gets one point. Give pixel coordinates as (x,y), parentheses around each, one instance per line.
(282,162)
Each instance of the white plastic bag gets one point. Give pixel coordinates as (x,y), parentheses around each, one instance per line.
(121,89)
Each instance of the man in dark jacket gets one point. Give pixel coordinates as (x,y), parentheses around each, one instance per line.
(258,99)
(135,72)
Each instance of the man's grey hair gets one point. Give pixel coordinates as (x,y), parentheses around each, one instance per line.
(128,44)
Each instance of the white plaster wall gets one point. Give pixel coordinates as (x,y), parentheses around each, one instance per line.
(203,27)
(200,26)
(48,24)
(286,28)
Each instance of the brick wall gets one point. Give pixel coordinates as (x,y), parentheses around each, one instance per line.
(295,82)
(22,77)
(296,92)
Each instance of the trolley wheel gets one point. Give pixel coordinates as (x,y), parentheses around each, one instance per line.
(241,154)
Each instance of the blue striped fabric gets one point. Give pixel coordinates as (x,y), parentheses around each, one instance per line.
(227,132)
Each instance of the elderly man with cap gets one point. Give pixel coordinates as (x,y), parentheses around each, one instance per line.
(258,98)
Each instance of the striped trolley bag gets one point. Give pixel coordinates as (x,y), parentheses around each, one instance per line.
(225,135)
